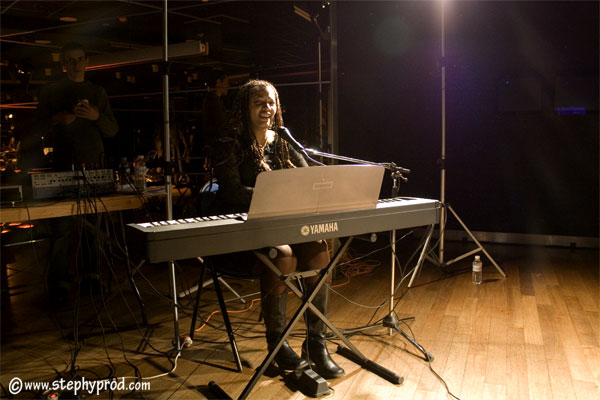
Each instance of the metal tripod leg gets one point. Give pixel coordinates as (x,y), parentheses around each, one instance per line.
(439,262)
(422,256)
(479,245)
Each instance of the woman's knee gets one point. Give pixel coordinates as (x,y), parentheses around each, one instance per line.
(285,259)
(284,252)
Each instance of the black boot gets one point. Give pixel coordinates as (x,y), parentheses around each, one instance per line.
(314,348)
(273,310)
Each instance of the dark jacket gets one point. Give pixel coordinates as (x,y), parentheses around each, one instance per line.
(236,169)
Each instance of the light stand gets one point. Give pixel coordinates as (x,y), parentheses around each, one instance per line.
(439,260)
(390,321)
(313,19)
(167,152)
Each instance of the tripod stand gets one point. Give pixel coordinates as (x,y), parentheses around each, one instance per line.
(390,321)
(439,260)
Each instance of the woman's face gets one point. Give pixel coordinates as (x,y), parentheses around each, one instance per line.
(262,108)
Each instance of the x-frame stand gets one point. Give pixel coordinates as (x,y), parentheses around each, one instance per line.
(350,352)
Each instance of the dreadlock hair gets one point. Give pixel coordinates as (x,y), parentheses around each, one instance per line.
(238,125)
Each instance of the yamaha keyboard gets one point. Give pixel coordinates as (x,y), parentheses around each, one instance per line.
(205,236)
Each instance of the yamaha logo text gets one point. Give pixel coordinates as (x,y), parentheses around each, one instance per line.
(316,229)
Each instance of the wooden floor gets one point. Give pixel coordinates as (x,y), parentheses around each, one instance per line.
(534,335)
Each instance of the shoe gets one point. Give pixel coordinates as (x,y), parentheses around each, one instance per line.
(288,359)
(314,348)
(273,310)
(315,351)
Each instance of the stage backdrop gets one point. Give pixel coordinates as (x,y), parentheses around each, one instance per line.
(521,106)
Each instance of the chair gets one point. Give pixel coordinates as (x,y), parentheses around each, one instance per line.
(208,193)
(216,274)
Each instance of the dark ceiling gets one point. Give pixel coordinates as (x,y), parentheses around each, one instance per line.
(264,39)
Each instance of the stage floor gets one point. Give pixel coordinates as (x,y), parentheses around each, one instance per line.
(533,335)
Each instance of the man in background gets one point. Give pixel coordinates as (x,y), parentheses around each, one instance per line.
(75,116)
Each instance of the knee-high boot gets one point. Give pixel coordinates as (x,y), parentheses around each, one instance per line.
(273,310)
(314,348)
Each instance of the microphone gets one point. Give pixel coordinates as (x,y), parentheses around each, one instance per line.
(285,133)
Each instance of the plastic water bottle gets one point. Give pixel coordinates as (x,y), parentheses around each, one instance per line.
(139,179)
(477,270)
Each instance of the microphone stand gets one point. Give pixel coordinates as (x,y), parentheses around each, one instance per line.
(389,321)
(395,170)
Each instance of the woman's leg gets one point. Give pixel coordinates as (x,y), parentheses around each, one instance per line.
(273,304)
(311,256)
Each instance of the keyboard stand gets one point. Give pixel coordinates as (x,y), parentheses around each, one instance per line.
(351,352)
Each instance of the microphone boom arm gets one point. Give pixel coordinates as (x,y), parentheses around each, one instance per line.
(396,171)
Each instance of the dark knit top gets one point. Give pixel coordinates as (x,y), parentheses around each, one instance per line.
(81,141)
(236,167)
